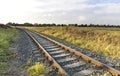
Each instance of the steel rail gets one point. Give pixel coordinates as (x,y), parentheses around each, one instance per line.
(54,62)
(79,54)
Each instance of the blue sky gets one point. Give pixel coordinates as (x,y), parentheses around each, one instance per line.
(60,11)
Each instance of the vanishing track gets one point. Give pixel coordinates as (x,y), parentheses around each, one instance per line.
(67,61)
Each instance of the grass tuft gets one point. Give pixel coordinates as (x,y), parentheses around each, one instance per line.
(37,70)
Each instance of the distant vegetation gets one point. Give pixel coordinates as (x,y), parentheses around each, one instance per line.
(98,39)
(63,25)
(6,39)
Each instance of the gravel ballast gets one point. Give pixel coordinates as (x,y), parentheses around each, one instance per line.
(26,54)
(113,62)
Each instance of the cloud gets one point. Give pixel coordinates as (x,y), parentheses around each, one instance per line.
(81,18)
(109,8)
(82,11)
(60,11)
(62,5)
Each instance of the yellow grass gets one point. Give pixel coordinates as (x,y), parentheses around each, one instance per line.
(37,70)
(102,40)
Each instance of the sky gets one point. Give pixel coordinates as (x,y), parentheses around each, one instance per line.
(60,11)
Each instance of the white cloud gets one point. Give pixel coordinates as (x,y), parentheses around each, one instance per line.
(48,15)
(81,18)
(15,10)
(60,11)
(109,8)
(62,5)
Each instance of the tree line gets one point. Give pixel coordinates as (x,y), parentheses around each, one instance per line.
(4,26)
(53,24)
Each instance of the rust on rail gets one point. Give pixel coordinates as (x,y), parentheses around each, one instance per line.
(55,64)
(79,54)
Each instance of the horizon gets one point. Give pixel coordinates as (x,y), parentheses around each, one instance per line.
(21,24)
(60,12)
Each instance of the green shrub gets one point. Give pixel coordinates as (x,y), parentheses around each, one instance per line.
(37,70)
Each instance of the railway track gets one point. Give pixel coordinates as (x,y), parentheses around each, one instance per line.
(67,61)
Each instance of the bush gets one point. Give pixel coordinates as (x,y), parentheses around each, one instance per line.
(37,70)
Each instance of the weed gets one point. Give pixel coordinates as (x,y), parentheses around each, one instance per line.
(37,70)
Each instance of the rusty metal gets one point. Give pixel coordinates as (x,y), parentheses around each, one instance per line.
(85,57)
(54,63)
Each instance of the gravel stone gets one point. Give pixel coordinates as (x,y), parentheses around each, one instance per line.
(113,62)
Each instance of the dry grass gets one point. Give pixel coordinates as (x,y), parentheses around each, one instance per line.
(37,70)
(101,40)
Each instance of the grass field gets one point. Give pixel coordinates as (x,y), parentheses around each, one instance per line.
(101,40)
(6,39)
